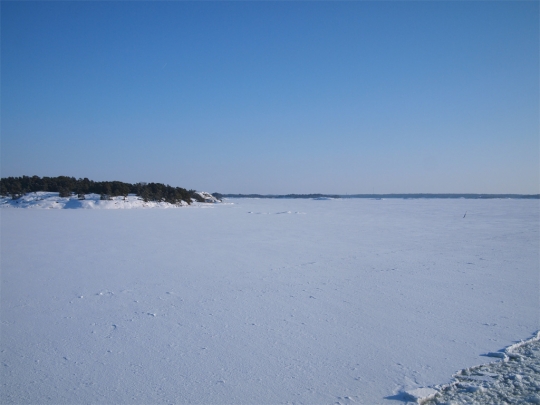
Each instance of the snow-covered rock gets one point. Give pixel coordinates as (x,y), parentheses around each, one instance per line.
(203,196)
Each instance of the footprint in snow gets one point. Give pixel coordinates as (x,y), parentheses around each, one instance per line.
(346,400)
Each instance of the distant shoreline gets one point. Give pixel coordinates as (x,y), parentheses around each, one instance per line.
(386,196)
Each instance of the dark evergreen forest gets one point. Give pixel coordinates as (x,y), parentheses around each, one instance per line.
(67,186)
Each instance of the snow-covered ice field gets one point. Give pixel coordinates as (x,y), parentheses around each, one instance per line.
(261,301)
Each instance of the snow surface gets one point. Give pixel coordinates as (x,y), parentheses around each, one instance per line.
(316,302)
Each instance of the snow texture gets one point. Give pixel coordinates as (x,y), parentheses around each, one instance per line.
(315,302)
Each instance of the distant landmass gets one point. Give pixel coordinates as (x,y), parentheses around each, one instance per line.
(380,196)
(17,187)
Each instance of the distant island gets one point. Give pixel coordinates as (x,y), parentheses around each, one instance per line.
(17,187)
(379,196)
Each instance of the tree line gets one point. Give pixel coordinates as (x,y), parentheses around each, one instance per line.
(67,186)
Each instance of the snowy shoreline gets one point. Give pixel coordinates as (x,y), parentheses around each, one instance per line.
(52,200)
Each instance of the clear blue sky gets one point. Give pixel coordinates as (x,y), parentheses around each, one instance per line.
(275,97)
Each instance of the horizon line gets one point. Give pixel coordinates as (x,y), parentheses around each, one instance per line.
(382,195)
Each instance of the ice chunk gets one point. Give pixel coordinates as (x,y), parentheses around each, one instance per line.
(421,394)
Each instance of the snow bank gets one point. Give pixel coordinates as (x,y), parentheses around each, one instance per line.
(49,200)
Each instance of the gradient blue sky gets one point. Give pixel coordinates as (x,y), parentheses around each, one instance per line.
(275,97)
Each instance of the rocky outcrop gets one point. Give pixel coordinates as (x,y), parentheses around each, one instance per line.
(204,197)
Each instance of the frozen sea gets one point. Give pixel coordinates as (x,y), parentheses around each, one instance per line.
(261,301)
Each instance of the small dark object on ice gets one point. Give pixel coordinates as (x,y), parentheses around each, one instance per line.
(465,214)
